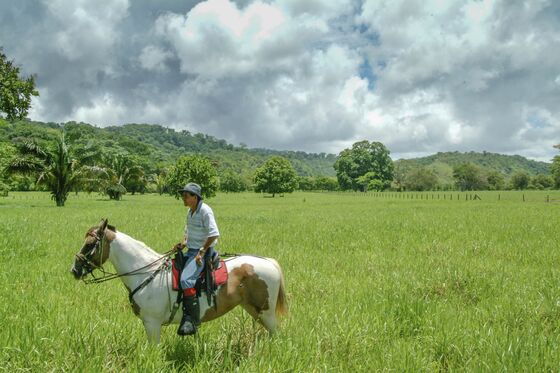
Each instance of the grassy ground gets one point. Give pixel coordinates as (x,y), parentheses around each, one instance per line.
(375,282)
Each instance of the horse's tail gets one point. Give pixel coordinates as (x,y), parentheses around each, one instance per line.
(281,301)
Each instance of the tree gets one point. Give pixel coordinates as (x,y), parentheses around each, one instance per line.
(326,183)
(520,180)
(469,176)
(120,174)
(369,181)
(400,170)
(364,157)
(541,182)
(306,183)
(555,169)
(6,153)
(58,168)
(444,174)
(496,180)
(420,179)
(161,182)
(276,175)
(195,169)
(232,182)
(129,173)
(15,91)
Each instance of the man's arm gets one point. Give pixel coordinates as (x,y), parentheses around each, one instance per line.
(203,249)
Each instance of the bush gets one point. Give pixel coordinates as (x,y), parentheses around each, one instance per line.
(4,189)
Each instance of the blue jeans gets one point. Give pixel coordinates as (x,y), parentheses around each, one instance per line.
(192,271)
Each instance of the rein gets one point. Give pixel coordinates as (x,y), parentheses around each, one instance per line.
(107,276)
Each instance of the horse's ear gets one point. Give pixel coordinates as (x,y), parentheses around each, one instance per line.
(102,225)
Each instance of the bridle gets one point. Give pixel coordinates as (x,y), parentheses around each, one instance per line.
(86,259)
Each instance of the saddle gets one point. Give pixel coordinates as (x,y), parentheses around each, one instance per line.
(213,275)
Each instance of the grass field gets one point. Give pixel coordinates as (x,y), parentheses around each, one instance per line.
(373,282)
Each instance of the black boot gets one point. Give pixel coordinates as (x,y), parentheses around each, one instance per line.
(191,316)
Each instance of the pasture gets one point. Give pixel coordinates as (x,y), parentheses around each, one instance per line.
(373,283)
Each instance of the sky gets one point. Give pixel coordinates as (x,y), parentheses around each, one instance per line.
(420,76)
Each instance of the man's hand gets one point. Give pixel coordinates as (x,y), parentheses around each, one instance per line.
(179,246)
(199,256)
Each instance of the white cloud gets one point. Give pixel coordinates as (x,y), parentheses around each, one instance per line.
(106,110)
(216,38)
(86,29)
(153,58)
(481,62)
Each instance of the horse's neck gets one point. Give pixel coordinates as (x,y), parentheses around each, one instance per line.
(128,254)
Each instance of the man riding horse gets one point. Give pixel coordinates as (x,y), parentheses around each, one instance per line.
(201,235)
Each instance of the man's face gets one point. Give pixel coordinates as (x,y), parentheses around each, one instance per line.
(189,199)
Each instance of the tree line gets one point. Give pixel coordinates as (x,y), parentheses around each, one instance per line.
(62,168)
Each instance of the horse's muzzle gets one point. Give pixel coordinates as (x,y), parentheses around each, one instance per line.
(77,272)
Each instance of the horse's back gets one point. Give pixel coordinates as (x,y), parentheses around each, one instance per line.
(247,265)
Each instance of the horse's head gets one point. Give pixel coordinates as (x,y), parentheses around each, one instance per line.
(94,252)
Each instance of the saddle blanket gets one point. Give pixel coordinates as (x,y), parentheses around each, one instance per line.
(220,275)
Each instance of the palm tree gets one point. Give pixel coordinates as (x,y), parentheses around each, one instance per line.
(58,168)
(120,172)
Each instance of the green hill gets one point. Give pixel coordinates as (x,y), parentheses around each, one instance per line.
(507,164)
(157,147)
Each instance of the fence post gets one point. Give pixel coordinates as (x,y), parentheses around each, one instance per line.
(547,199)
(523,197)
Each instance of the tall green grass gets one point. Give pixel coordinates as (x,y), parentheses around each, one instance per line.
(374,282)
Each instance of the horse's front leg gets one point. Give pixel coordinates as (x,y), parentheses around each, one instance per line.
(153,330)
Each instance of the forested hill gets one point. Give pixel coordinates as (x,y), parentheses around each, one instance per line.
(157,147)
(507,164)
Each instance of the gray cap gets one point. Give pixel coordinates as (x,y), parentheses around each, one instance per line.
(192,188)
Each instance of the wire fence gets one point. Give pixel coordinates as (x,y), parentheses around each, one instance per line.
(549,196)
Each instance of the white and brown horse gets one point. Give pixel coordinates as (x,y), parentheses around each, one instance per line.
(255,283)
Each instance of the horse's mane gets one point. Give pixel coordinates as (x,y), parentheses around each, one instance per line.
(140,243)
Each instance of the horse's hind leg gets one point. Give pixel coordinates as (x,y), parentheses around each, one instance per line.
(266,318)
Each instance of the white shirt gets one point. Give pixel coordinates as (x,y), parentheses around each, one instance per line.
(200,225)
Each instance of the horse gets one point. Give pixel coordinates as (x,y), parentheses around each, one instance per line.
(255,283)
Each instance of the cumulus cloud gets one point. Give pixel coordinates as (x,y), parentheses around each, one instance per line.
(85,29)
(154,58)
(317,75)
(216,38)
(483,65)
